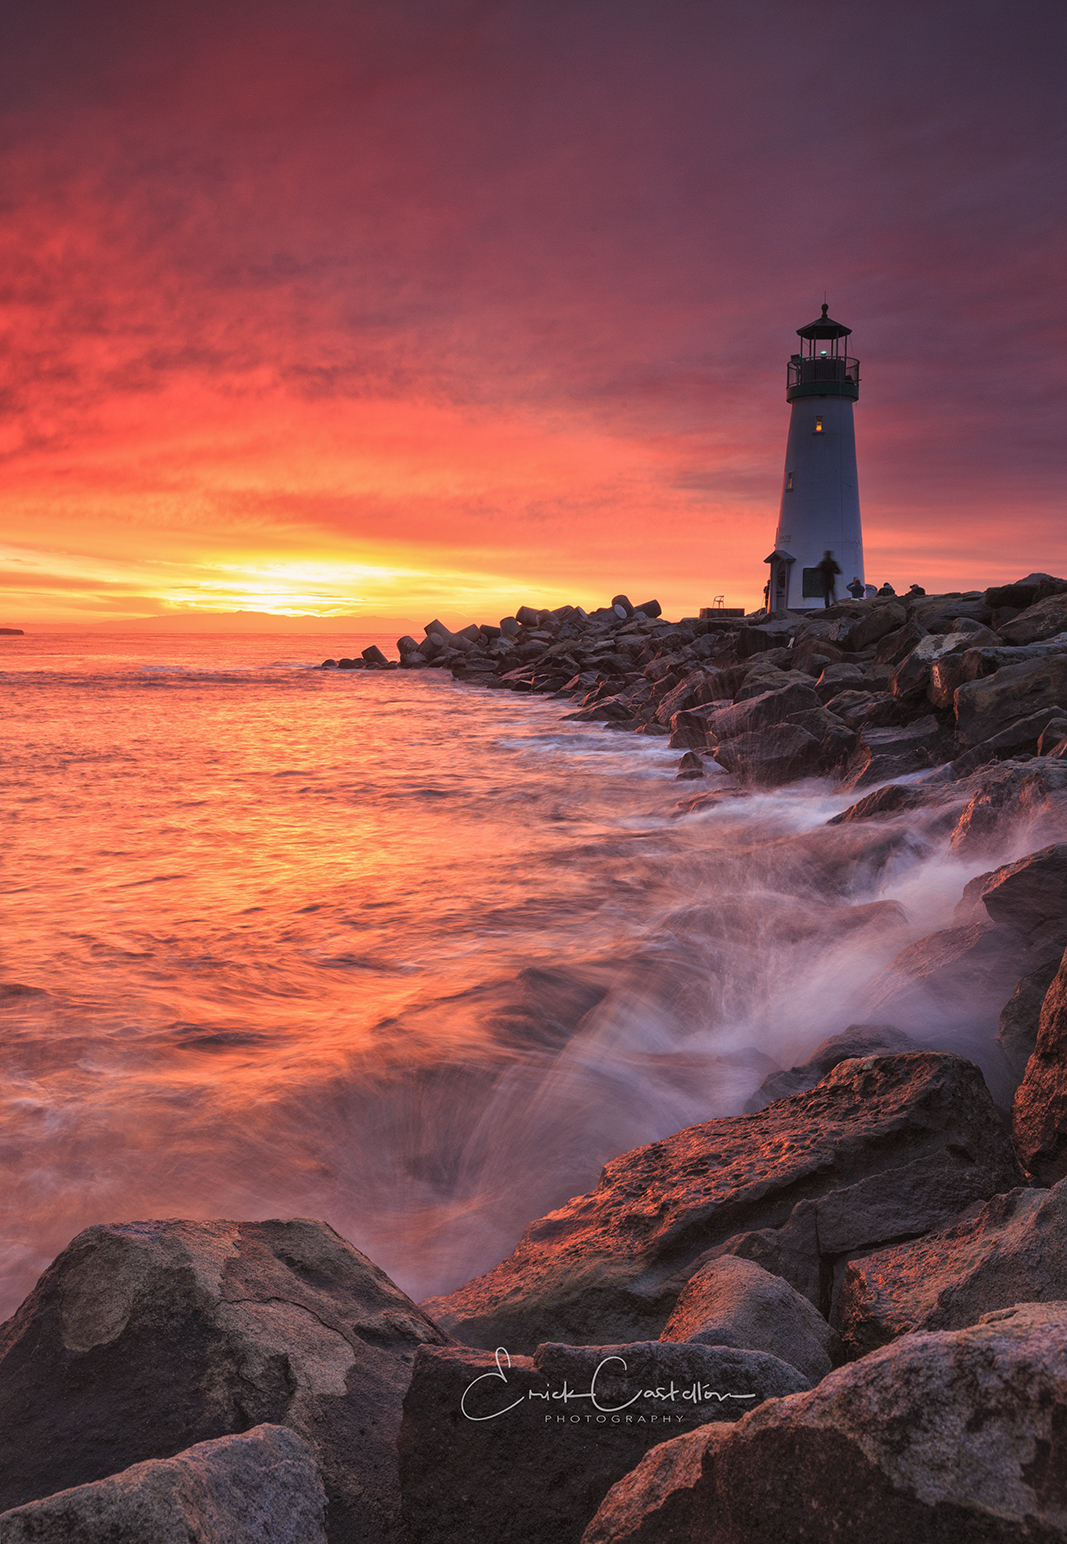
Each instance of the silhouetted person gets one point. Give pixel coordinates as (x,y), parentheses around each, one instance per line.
(829,571)
(916,589)
(855,589)
(887,589)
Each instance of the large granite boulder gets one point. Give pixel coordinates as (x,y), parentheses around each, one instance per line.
(734,1302)
(909,678)
(758,712)
(940,613)
(877,619)
(1023,737)
(952,669)
(950,980)
(898,751)
(884,1147)
(869,709)
(1020,1016)
(856,1040)
(503,1449)
(1039,1114)
(898,644)
(1024,592)
(893,799)
(956,1437)
(1012,1249)
(257,1487)
(1023,896)
(1015,691)
(1003,795)
(143,1338)
(768,757)
(1044,619)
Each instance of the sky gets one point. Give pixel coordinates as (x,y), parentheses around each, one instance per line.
(323,312)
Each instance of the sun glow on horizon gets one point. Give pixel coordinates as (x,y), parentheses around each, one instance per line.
(315,308)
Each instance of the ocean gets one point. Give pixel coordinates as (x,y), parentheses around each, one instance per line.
(386,950)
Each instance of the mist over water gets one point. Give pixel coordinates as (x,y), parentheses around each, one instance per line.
(394,952)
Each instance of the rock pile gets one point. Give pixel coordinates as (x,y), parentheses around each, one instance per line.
(865,691)
(844,1314)
(943,1438)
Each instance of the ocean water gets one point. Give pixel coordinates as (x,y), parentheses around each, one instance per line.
(387,950)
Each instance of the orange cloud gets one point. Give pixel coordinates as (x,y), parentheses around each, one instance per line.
(441,307)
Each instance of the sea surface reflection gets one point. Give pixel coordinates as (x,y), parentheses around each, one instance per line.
(386,950)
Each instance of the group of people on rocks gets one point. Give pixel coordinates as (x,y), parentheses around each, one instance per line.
(828,572)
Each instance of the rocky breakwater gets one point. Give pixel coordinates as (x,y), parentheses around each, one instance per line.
(843,1314)
(863,692)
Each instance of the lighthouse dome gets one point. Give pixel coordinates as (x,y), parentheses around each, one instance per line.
(824,327)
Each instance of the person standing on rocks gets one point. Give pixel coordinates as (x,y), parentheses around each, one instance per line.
(856,588)
(829,571)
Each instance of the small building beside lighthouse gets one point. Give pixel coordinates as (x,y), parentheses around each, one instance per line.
(820,510)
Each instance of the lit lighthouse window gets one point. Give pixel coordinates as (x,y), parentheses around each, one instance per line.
(818,425)
(789,482)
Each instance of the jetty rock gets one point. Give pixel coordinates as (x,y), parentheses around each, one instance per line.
(258,1487)
(1006,944)
(144,1339)
(501,1449)
(735,1302)
(1012,1249)
(856,1040)
(885,1147)
(1039,1113)
(863,691)
(946,1437)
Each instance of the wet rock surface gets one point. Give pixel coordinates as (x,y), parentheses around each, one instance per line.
(950,979)
(942,1437)
(883,1148)
(856,1040)
(732,1301)
(1020,1017)
(259,1487)
(504,1449)
(1012,1249)
(143,1339)
(1039,1114)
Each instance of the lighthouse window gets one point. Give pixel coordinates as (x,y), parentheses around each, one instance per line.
(818,425)
(789,482)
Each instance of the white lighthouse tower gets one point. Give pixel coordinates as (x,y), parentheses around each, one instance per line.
(820,492)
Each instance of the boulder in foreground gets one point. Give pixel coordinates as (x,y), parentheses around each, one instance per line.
(735,1302)
(499,1449)
(1011,1250)
(258,1487)
(143,1338)
(958,1437)
(883,1148)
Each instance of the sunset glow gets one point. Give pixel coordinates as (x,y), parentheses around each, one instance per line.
(389,310)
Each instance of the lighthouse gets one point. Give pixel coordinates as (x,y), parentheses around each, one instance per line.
(820,510)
